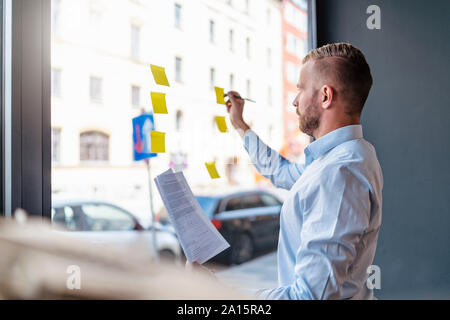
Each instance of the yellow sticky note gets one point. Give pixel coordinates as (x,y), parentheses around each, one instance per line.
(211,166)
(159,73)
(221,124)
(159,102)
(220,92)
(158,144)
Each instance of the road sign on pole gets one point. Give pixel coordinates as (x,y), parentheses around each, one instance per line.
(142,126)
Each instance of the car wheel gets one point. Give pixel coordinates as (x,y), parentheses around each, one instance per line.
(243,249)
(167,256)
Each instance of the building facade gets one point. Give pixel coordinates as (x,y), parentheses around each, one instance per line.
(295,46)
(101,79)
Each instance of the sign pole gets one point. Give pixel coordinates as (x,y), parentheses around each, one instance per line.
(152,211)
(142,127)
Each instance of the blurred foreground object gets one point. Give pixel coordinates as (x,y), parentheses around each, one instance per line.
(39,263)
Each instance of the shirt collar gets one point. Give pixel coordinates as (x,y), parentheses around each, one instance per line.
(332,140)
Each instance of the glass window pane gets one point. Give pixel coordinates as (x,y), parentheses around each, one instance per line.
(178,69)
(270,201)
(94,146)
(212,78)
(252,201)
(56,145)
(136,96)
(56,82)
(177,15)
(107,218)
(211,31)
(135,42)
(231,40)
(101,80)
(96,89)
(234,204)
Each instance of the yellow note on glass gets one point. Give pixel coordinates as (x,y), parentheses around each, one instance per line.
(211,166)
(221,124)
(220,92)
(159,102)
(158,144)
(159,73)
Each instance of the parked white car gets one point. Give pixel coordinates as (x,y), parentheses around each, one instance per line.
(104,223)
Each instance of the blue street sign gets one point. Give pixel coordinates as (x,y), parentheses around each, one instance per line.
(142,126)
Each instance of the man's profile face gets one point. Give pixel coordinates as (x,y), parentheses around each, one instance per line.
(307,101)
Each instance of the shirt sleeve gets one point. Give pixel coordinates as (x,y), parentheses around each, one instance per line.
(335,218)
(270,164)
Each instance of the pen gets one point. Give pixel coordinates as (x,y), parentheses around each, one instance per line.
(247,99)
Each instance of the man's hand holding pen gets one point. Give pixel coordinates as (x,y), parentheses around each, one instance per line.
(235,107)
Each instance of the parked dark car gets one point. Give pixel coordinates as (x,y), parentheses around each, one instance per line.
(249,221)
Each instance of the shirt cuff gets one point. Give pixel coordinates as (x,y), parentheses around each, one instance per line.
(244,134)
(247,137)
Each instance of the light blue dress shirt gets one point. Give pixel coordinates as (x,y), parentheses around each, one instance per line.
(330,220)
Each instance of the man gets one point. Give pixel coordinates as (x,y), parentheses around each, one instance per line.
(330,220)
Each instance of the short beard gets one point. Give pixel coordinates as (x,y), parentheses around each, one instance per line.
(310,120)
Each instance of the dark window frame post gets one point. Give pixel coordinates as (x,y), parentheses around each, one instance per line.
(30,119)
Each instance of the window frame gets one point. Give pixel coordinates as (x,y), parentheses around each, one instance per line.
(93,99)
(95,134)
(135,41)
(26,107)
(178,22)
(136,92)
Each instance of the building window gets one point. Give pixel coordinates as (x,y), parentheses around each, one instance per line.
(269,96)
(179,120)
(212,78)
(295,45)
(135,42)
(94,146)
(96,89)
(247,6)
(248,47)
(292,72)
(269,57)
(177,16)
(231,81)
(211,31)
(178,69)
(56,14)
(249,88)
(136,96)
(56,82)
(95,19)
(231,40)
(295,17)
(56,145)
(268,16)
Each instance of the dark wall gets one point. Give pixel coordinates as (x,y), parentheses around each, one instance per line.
(407,120)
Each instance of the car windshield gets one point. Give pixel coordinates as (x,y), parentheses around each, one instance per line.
(208,205)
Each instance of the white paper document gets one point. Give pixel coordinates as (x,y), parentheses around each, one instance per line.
(199,239)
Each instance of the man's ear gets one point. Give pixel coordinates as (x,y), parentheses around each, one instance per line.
(327,95)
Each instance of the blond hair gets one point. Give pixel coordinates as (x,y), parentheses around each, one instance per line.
(349,69)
